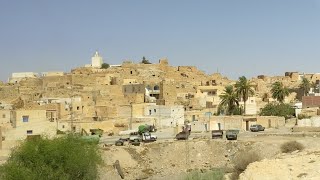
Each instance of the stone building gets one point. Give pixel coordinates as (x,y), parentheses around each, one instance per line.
(30,122)
(96,60)
(92,97)
(17,77)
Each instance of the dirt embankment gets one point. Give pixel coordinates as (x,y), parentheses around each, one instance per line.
(174,159)
(296,165)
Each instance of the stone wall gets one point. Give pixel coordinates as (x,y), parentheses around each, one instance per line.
(271,121)
(310,101)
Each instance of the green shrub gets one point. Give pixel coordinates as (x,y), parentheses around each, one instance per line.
(64,158)
(275,109)
(105,66)
(291,146)
(216,174)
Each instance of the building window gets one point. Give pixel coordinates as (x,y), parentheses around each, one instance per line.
(149,112)
(212,93)
(155,110)
(78,108)
(3,115)
(29,131)
(25,118)
(62,126)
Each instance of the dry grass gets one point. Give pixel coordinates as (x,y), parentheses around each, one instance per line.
(302,175)
(242,160)
(291,146)
(215,174)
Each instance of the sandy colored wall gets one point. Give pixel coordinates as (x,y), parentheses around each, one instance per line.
(37,123)
(271,121)
(226,122)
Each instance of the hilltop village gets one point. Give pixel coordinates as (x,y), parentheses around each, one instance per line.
(121,97)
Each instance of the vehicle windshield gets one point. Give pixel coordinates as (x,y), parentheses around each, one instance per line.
(233,131)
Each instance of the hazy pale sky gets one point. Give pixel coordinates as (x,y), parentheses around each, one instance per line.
(247,37)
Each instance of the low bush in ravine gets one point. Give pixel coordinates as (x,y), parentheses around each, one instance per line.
(291,146)
(241,162)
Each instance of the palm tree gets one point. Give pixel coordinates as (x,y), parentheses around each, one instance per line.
(279,92)
(305,86)
(244,89)
(229,100)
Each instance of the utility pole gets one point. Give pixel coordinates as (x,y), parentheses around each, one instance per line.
(159,115)
(0,138)
(71,115)
(71,109)
(130,124)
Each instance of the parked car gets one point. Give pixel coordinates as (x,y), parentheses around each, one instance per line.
(232,134)
(217,134)
(256,128)
(119,142)
(135,142)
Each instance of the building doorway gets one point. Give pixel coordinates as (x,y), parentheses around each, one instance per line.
(269,123)
(247,125)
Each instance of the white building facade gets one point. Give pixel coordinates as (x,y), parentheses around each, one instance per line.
(96,60)
(166,116)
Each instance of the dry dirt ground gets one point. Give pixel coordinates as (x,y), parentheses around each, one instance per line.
(173,159)
(296,165)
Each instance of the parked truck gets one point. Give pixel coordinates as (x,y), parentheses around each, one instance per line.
(232,134)
(146,128)
(217,134)
(183,135)
(144,137)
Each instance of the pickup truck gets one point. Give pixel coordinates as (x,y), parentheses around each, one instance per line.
(232,134)
(144,137)
(217,134)
(256,128)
